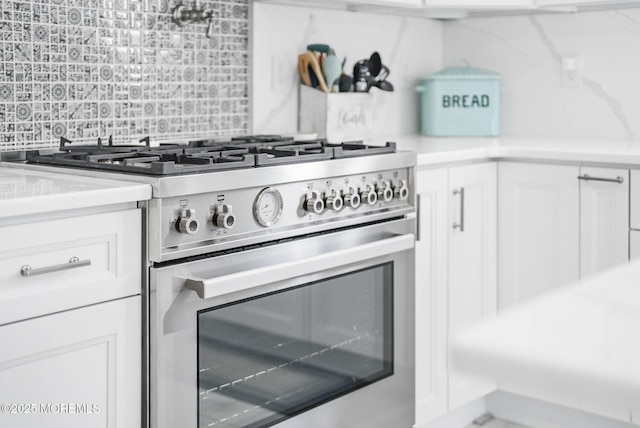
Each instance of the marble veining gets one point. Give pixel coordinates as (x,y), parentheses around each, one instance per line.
(594,86)
(410,47)
(528,50)
(83,69)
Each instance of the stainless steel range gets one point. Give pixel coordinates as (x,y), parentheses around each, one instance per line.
(281,280)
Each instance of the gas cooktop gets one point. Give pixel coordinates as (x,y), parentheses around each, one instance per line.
(206,155)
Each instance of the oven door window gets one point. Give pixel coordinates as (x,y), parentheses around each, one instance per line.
(269,358)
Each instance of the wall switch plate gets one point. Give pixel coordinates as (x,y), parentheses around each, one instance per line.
(572,71)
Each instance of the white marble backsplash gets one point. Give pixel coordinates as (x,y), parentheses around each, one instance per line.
(528,51)
(410,47)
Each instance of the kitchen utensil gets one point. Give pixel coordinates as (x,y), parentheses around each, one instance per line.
(319,47)
(375,64)
(345,83)
(383,74)
(384,85)
(303,70)
(380,80)
(308,65)
(332,69)
(362,78)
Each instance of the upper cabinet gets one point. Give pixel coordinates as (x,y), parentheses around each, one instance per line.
(455,9)
(544,3)
(480,4)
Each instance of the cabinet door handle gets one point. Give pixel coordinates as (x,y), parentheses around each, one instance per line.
(460,224)
(74,262)
(587,177)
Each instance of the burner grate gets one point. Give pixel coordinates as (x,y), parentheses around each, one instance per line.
(199,156)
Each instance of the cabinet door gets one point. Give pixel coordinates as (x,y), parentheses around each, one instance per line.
(604,219)
(472,265)
(634,244)
(382,2)
(547,3)
(539,229)
(431,296)
(80,368)
(481,4)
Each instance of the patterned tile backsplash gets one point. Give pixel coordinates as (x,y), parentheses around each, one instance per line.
(83,69)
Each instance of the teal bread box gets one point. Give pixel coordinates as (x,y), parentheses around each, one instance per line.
(460,101)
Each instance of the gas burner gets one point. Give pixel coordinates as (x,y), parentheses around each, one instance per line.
(262,139)
(199,156)
(67,146)
(358,148)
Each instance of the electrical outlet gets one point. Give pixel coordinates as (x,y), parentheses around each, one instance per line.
(572,72)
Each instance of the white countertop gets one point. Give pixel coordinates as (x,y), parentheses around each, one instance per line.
(578,346)
(25,192)
(442,150)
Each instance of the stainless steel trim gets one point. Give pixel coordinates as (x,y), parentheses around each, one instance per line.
(73,263)
(460,225)
(219,286)
(173,324)
(200,247)
(587,177)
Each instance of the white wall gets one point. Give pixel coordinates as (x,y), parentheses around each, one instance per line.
(410,47)
(527,51)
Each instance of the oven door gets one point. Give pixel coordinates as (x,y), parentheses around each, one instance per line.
(313,332)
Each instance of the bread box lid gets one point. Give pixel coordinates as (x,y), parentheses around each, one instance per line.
(465,73)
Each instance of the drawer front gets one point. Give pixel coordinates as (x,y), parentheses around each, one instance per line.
(39,273)
(74,369)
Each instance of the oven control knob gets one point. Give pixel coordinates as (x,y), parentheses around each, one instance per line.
(187,222)
(352,199)
(369,195)
(334,201)
(224,217)
(401,190)
(314,203)
(385,192)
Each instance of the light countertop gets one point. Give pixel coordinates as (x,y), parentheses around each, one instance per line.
(25,192)
(579,346)
(432,151)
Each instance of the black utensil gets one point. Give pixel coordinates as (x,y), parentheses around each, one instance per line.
(362,78)
(345,83)
(384,85)
(375,64)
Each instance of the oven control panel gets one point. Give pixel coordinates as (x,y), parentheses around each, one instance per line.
(245,216)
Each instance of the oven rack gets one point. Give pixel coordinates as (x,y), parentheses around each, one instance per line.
(242,401)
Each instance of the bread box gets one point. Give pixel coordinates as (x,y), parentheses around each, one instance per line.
(460,101)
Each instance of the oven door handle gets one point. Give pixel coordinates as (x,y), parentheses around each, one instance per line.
(226,284)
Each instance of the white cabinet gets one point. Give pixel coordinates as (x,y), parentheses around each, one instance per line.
(539,229)
(604,219)
(402,2)
(472,264)
(108,252)
(480,4)
(551,3)
(70,321)
(431,295)
(455,279)
(556,228)
(634,244)
(78,368)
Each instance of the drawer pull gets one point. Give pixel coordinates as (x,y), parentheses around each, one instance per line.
(587,177)
(74,262)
